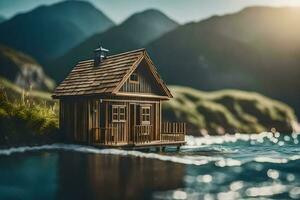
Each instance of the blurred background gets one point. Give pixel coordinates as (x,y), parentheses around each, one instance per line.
(235,63)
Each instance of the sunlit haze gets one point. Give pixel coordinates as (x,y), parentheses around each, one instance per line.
(181,11)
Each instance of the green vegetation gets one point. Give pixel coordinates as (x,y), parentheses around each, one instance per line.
(227,111)
(26,117)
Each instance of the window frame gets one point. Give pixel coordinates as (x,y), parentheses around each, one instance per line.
(145,117)
(137,78)
(118,113)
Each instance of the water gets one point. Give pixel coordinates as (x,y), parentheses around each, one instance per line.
(264,166)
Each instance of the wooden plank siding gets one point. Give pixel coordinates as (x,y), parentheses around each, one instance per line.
(117,102)
(80,117)
(144,84)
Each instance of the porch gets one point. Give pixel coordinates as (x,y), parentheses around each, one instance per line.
(171,134)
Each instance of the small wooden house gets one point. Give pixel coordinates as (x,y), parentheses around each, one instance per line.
(116,101)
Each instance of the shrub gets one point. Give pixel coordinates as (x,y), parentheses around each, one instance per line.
(24,121)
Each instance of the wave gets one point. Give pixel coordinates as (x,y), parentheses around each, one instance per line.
(194,145)
(87,149)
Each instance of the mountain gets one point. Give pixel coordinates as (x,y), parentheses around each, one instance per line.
(2,19)
(15,92)
(228,111)
(23,70)
(49,31)
(136,31)
(256,49)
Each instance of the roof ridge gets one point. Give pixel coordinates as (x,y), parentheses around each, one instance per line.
(127,52)
(115,55)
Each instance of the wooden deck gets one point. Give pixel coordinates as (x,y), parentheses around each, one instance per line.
(152,144)
(172,134)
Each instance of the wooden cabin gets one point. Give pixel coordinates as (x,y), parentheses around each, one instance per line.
(116,101)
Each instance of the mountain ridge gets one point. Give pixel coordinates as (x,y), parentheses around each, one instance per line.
(255,49)
(33,32)
(132,33)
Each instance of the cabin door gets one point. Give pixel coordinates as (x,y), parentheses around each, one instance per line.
(132,121)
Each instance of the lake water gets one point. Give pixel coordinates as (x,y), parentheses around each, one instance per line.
(265,166)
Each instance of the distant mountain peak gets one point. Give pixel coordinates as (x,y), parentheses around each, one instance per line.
(135,32)
(72,21)
(150,13)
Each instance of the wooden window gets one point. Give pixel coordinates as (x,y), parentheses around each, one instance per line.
(115,113)
(145,115)
(122,113)
(134,78)
(118,113)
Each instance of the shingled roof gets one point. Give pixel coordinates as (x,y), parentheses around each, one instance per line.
(108,78)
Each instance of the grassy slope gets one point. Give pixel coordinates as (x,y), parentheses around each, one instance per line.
(26,118)
(228,110)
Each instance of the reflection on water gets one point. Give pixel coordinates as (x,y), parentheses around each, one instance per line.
(28,176)
(257,166)
(91,176)
(73,175)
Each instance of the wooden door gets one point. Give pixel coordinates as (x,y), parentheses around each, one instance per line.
(132,120)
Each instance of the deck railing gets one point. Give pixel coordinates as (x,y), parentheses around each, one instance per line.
(115,134)
(109,135)
(142,133)
(173,131)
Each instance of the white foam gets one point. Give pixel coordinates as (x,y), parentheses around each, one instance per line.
(192,142)
(87,149)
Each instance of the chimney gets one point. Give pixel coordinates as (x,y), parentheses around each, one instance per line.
(99,55)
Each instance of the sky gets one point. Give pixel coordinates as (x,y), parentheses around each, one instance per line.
(180,10)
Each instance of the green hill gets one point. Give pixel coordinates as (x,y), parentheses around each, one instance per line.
(227,111)
(136,31)
(49,31)
(23,70)
(255,49)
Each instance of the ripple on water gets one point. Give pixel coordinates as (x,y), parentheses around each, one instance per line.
(235,166)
